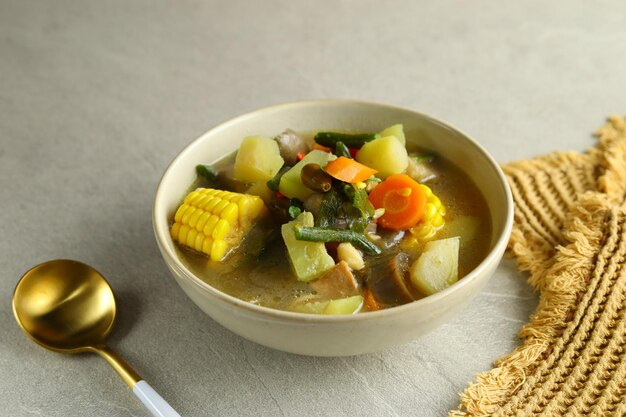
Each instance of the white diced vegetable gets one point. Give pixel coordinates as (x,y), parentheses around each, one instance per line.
(437,267)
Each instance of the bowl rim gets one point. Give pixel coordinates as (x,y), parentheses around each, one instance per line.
(172,259)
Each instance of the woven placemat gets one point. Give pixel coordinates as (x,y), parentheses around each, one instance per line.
(569,234)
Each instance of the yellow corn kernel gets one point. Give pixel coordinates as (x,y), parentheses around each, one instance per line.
(431,210)
(427,190)
(433,219)
(218,250)
(220,206)
(210,225)
(207,245)
(187,214)
(230,213)
(211,203)
(197,245)
(202,220)
(191,237)
(215,221)
(182,234)
(175,230)
(179,213)
(193,219)
(201,201)
(437,221)
(221,229)
(191,196)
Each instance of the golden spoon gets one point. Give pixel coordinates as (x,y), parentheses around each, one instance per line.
(68,307)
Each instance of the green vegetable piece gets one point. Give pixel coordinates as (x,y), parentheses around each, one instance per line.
(330,209)
(294,211)
(348,305)
(326,234)
(342,150)
(258,159)
(295,208)
(291,184)
(350,140)
(273,183)
(437,267)
(206,172)
(360,212)
(397,131)
(309,260)
(386,155)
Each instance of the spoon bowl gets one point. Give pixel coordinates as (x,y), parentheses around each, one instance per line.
(67,306)
(54,305)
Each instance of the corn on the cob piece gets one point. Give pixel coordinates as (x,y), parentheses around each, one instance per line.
(433,219)
(215,221)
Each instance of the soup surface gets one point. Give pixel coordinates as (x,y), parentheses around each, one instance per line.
(260,269)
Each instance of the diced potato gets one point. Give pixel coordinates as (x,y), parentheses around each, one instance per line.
(261,189)
(386,155)
(349,305)
(437,267)
(257,160)
(290,183)
(396,131)
(308,259)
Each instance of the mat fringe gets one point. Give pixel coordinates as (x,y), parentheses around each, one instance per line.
(560,273)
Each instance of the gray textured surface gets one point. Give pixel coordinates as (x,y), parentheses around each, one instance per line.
(97,97)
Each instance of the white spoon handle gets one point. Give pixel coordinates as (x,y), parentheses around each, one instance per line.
(153,401)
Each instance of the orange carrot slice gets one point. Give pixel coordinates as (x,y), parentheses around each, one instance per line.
(402,198)
(348,170)
(370,302)
(322,148)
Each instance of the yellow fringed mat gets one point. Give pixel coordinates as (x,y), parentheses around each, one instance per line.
(569,234)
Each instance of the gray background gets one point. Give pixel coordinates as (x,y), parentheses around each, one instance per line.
(97,97)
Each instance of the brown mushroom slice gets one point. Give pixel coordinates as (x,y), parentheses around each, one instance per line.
(339,282)
(388,279)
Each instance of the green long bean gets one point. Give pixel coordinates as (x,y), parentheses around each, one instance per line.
(327,234)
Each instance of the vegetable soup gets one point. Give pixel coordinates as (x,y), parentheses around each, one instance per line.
(331,222)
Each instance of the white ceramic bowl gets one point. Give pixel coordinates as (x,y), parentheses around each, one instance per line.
(318,335)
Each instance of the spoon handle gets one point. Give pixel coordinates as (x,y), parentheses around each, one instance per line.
(153,401)
(148,396)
